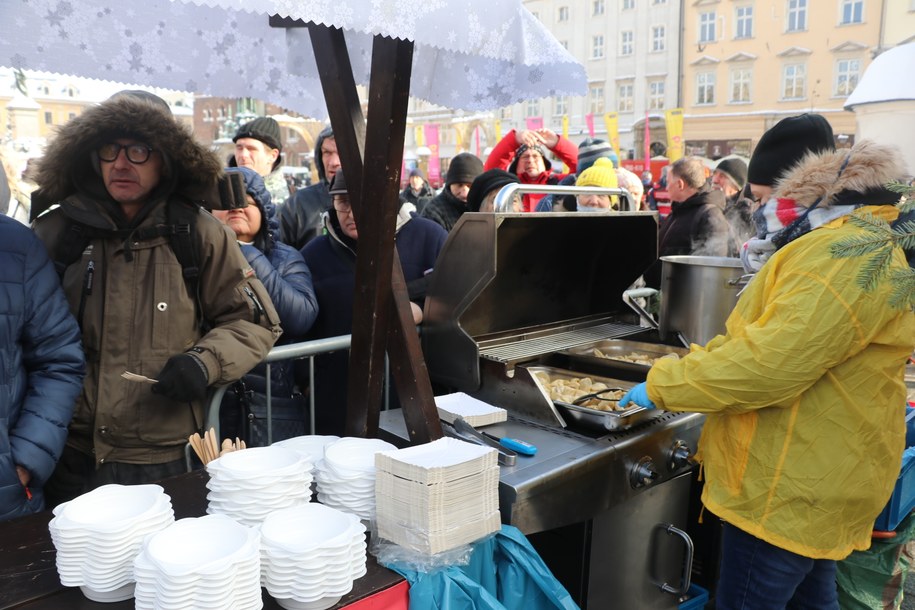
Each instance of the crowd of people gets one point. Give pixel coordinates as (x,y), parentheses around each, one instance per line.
(145,258)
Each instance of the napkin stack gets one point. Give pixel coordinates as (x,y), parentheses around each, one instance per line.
(475,412)
(438,496)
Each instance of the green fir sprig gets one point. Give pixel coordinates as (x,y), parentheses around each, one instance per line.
(877,243)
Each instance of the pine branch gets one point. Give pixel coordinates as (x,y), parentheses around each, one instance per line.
(903,288)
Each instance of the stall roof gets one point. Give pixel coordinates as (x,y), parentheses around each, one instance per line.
(887,79)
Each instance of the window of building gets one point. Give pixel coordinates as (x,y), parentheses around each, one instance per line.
(533,108)
(71,116)
(743,22)
(848,72)
(707,22)
(630,4)
(852,11)
(292,136)
(207,115)
(656,95)
(658,38)
(705,88)
(506,113)
(596,99)
(624,97)
(48,118)
(563,13)
(626,43)
(659,1)
(741,78)
(565,44)
(560,105)
(797,15)
(598,7)
(597,46)
(794,81)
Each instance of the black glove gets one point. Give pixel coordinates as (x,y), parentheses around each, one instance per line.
(182,379)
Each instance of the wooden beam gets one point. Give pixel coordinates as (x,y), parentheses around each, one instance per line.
(381,305)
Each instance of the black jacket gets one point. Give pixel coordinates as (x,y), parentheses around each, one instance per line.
(300,217)
(444,208)
(694,227)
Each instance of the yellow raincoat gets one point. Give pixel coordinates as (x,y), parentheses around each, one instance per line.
(804,395)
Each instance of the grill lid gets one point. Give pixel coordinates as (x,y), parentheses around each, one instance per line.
(507,278)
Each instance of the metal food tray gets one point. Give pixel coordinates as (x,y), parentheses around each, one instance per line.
(622,347)
(584,416)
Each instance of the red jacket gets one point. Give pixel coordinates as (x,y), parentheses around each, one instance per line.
(503,153)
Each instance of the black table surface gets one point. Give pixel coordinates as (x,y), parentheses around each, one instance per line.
(28,574)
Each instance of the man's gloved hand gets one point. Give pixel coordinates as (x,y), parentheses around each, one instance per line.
(639,396)
(182,379)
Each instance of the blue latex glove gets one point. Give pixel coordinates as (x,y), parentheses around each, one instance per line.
(639,396)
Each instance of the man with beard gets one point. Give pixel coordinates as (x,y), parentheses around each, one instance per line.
(300,217)
(446,207)
(524,153)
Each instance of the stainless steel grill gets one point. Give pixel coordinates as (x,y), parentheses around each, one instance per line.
(511,294)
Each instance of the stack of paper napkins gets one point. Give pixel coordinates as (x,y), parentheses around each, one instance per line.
(438,496)
(475,412)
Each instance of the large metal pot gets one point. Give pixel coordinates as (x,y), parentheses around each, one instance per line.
(698,294)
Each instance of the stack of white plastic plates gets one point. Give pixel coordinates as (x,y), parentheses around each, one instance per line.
(310,447)
(310,556)
(98,535)
(248,485)
(346,477)
(438,496)
(206,563)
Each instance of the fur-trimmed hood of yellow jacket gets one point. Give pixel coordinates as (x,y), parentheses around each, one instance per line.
(67,167)
(865,169)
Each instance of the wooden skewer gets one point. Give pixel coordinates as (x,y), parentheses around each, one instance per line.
(214,444)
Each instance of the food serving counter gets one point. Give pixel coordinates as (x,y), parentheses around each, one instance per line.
(29,580)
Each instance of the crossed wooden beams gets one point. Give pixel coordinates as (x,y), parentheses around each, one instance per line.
(371,153)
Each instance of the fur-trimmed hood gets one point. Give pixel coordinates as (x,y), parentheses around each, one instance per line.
(868,168)
(67,167)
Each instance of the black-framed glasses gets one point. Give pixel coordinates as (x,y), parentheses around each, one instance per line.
(342,205)
(136,153)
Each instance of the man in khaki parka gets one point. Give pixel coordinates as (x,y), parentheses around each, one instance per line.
(118,171)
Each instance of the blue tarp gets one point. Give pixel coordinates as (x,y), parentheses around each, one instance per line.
(504,573)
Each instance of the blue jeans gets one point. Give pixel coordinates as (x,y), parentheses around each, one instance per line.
(756,575)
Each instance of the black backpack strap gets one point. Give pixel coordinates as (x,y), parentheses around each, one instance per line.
(182,235)
(70,247)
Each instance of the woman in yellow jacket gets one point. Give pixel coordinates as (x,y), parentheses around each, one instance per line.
(804,393)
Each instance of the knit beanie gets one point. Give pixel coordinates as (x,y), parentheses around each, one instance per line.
(463,169)
(417,172)
(735,169)
(601,174)
(262,128)
(338,184)
(780,148)
(486,182)
(590,150)
(513,168)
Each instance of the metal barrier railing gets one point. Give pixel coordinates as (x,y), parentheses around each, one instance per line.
(293,351)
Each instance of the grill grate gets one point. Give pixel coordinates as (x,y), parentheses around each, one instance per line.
(524,349)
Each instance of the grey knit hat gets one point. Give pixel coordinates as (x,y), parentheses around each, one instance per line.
(590,150)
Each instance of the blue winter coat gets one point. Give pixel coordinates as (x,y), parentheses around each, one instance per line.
(41,368)
(286,277)
(419,241)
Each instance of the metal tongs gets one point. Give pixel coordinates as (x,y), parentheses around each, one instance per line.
(460,429)
(597,395)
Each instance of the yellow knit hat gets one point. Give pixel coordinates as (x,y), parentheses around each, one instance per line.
(600,174)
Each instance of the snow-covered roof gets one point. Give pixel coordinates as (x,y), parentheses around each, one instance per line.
(887,79)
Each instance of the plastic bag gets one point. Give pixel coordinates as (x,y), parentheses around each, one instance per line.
(504,573)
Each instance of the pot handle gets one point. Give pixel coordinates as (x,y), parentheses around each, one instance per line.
(743,280)
(687,563)
(629,297)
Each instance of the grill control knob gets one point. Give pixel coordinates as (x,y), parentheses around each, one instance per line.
(643,473)
(679,456)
